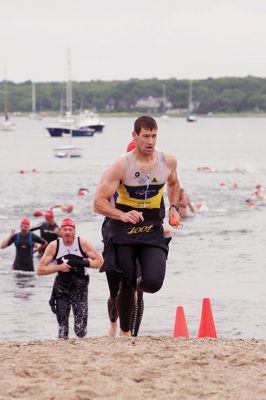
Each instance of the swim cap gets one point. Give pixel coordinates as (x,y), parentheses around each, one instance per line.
(68,222)
(37,213)
(131,145)
(25,221)
(49,214)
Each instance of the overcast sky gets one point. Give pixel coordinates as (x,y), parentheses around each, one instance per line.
(123,39)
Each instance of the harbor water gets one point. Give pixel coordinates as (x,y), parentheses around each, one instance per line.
(219,253)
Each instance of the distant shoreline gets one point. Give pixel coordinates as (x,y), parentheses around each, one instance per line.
(171,115)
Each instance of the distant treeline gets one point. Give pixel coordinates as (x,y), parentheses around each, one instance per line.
(222,95)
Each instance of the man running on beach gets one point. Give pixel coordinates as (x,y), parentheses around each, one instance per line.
(133,229)
(24,242)
(73,255)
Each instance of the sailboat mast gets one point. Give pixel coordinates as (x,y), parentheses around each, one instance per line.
(190,106)
(5,97)
(69,83)
(33,98)
(164,99)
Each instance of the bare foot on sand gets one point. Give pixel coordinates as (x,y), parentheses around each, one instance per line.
(122,333)
(112,329)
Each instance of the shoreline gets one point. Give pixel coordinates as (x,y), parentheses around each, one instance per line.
(133,368)
(135,114)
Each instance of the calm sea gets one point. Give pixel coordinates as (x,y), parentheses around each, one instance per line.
(219,253)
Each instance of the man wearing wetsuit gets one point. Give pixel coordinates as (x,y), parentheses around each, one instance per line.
(133,230)
(24,242)
(73,256)
(49,229)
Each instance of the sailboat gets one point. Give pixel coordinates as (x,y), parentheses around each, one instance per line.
(164,116)
(190,116)
(34,115)
(67,128)
(67,125)
(6,125)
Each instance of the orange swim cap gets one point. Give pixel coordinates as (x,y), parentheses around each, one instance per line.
(37,213)
(49,214)
(68,222)
(25,221)
(131,145)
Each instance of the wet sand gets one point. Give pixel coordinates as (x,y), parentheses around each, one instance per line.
(133,368)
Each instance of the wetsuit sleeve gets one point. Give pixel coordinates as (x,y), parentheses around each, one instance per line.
(37,239)
(74,262)
(35,228)
(12,240)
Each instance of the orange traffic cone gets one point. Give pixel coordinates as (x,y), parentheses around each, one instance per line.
(180,328)
(207,328)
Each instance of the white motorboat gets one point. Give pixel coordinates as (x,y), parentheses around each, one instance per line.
(90,120)
(7,125)
(68,151)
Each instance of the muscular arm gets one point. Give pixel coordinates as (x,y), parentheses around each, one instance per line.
(44,268)
(107,187)
(173,186)
(95,258)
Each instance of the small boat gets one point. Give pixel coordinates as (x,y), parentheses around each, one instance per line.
(6,125)
(191,118)
(61,131)
(90,120)
(68,151)
(67,125)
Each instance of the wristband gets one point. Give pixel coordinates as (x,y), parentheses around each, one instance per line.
(174,206)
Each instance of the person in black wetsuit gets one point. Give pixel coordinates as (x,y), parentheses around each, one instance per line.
(73,256)
(49,230)
(133,231)
(24,242)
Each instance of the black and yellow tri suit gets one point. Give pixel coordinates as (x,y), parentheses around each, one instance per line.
(125,242)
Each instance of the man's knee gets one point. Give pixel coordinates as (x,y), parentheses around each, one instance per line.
(152,285)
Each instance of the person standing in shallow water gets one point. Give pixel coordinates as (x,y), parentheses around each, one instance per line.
(49,229)
(73,256)
(24,242)
(133,231)
(184,202)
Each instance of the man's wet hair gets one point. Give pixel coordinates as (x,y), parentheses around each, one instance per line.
(146,122)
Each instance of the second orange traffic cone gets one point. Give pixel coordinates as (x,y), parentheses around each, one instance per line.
(180,328)
(207,327)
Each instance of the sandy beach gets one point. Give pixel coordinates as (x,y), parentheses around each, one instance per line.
(133,368)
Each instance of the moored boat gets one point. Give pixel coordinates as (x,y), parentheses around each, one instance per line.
(68,151)
(89,119)
(69,131)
